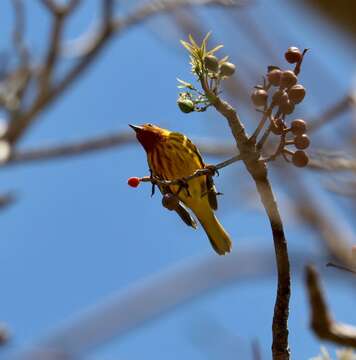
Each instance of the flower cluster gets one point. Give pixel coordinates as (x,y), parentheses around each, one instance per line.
(209,69)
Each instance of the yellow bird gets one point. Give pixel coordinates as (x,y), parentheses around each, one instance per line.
(173,156)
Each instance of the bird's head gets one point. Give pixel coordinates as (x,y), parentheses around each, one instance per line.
(149,135)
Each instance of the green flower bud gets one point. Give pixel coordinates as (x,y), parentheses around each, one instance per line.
(227,69)
(186,105)
(211,62)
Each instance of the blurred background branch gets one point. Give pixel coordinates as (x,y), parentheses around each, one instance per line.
(321,320)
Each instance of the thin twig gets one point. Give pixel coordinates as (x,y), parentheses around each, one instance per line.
(59,14)
(321,321)
(333,112)
(209,170)
(256,350)
(341,267)
(265,116)
(6,200)
(18,32)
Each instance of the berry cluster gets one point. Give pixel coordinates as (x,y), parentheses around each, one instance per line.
(278,96)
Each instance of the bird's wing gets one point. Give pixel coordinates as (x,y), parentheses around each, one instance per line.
(185,215)
(213,201)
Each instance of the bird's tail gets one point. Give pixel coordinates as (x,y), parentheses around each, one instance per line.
(217,235)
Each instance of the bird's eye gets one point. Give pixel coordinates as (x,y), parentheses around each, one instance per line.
(149,125)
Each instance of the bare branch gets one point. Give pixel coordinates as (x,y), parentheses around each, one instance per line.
(18,33)
(341,267)
(4,335)
(332,161)
(99,40)
(105,142)
(6,200)
(333,112)
(59,14)
(108,10)
(321,321)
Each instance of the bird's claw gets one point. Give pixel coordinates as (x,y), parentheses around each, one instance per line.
(183,184)
(213,170)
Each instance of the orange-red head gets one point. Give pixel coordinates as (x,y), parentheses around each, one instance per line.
(149,135)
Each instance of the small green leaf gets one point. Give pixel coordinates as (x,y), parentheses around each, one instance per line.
(185,84)
(216,48)
(193,41)
(187,46)
(224,59)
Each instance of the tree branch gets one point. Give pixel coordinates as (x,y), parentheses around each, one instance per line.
(258,171)
(106,30)
(321,321)
(104,142)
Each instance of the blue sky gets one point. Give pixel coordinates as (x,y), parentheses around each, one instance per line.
(78,234)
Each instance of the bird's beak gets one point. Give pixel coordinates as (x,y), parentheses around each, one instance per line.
(135,127)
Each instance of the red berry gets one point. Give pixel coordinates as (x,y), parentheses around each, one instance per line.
(296,93)
(133,181)
(301,141)
(293,55)
(288,79)
(286,108)
(274,77)
(298,127)
(259,97)
(300,158)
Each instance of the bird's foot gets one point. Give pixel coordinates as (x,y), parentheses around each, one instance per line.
(183,184)
(212,169)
